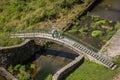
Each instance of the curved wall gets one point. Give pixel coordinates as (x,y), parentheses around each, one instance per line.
(16,54)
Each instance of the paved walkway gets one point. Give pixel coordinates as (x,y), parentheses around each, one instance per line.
(117,77)
(112,47)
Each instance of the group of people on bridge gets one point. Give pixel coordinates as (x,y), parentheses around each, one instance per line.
(56,34)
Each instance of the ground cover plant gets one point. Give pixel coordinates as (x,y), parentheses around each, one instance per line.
(23,15)
(94,30)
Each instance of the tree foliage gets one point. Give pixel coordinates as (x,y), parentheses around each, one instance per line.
(22,72)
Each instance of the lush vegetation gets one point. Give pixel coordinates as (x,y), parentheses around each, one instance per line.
(93,28)
(26,13)
(23,15)
(22,72)
(5,40)
(49,77)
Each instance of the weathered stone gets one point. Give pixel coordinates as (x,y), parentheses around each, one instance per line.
(6,74)
(68,68)
(16,54)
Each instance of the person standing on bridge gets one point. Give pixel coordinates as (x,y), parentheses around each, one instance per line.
(54,33)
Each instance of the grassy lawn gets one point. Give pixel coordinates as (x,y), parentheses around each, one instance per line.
(92,71)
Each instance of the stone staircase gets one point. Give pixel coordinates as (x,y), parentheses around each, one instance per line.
(95,55)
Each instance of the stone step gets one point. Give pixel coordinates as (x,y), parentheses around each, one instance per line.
(109,64)
(86,51)
(80,47)
(98,57)
(112,65)
(89,52)
(77,46)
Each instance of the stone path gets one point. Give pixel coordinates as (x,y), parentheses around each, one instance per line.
(117,77)
(112,47)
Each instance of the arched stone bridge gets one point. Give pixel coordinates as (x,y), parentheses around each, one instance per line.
(70,43)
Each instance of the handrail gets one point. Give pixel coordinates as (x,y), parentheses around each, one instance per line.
(64,34)
(72,41)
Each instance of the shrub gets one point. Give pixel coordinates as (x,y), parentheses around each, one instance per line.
(117,26)
(32,66)
(5,40)
(101,22)
(73,31)
(10,69)
(95,18)
(96,33)
(49,77)
(21,71)
(110,34)
(94,26)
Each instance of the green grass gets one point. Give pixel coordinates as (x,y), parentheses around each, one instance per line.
(49,77)
(23,15)
(5,40)
(91,71)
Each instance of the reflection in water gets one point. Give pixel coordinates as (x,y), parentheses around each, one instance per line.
(60,54)
(53,59)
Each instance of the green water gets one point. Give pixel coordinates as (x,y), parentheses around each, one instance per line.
(54,59)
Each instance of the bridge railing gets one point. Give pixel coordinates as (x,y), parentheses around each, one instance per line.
(64,34)
(80,41)
(87,45)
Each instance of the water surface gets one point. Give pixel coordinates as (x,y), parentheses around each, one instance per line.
(55,57)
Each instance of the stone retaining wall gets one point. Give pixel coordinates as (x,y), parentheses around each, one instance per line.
(16,54)
(6,74)
(68,68)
